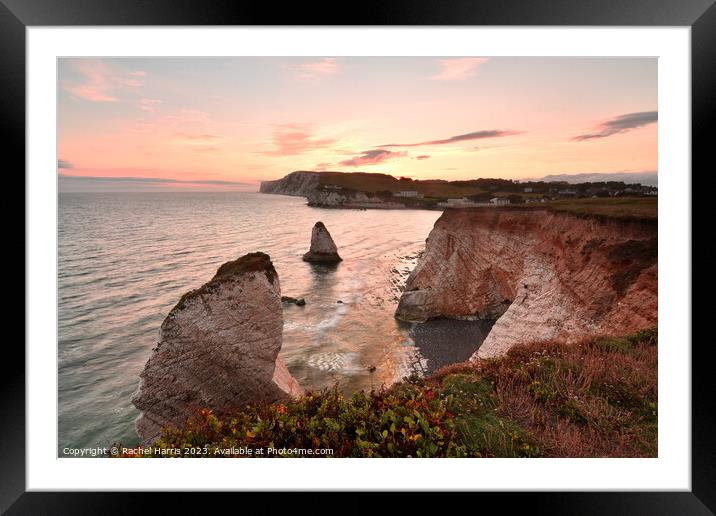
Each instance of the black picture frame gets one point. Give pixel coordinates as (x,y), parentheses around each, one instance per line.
(700,15)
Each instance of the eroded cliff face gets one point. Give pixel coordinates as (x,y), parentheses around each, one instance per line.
(355,200)
(542,275)
(218,349)
(298,183)
(308,185)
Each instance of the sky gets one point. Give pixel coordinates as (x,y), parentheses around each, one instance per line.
(228,123)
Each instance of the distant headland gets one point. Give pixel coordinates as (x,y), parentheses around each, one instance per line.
(363,190)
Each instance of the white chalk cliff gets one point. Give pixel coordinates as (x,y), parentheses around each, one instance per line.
(299,184)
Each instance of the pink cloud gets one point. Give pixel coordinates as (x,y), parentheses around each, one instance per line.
(205,138)
(208,143)
(132,83)
(96,84)
(99,83)
(171,123)
(458,68)
(292,139)
(372,157)
(422,156)
(188,116)
(149,105)
(326,66)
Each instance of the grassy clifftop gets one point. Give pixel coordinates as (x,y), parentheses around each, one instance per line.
(593,399)
(615,207)
(373,183)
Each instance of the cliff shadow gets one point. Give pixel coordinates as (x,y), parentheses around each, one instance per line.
(445,341)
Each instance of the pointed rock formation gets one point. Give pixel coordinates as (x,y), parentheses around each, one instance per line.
(218,349)
(323,248)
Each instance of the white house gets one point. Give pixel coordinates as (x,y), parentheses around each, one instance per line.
(499,201)
(408,193)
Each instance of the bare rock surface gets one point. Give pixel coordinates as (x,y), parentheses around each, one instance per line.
(351,200)
(299,183)
(296,301)
(541,275)
(218,349)
(323,248)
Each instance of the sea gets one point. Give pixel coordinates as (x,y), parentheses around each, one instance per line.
(125,259)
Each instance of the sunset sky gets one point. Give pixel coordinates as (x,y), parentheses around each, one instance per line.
(227,123)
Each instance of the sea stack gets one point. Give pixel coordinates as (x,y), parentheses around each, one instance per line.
(323,248)
(218,349)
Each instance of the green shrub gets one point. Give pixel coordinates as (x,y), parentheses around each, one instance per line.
(596,398)
(408,421)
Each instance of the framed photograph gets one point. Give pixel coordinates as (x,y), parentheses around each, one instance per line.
(431,248)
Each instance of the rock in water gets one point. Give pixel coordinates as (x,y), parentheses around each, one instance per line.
(218,349)
(323,248)
(296,301)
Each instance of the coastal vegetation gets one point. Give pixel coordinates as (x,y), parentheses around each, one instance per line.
(612,207)
(596,398)
(440,188)
(361,190)
(385,183)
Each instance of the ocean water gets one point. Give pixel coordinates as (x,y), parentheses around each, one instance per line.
(126,258)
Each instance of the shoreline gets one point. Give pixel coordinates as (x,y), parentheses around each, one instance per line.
(626,209)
